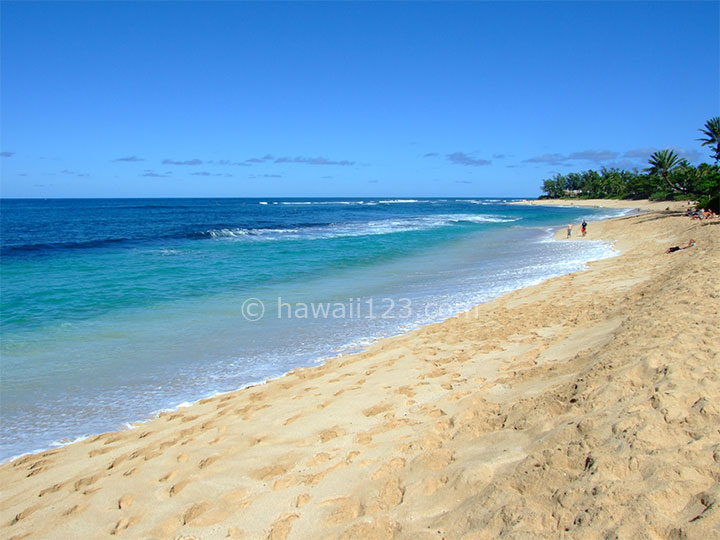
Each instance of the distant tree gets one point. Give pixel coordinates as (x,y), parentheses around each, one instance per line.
(554,187)
(641,186)
(592,185)
(573,181)
(712,137)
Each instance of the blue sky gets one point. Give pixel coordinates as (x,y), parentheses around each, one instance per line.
(237,99)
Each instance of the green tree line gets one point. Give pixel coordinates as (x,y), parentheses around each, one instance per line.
(666,178)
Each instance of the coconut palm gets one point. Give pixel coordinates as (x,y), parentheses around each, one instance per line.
(712,136)
(664,162)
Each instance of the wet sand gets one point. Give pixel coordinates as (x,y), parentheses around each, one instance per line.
(583,407)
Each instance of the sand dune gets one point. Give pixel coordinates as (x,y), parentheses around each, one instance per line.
(584,407)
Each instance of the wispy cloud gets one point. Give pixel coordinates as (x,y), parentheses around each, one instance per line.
(604,157)
(463,181)
(622,163)
(431,154)
(73,173)
(593,155)
(272,175)
(314,161)
(266,157)
(461,158)
(690,155)
(185,162)
(7,154)
(205,173)
(152,174)
(551,159)
(596,156)
(499,156)
(131,159)
(228,162)
(640,153)
(645,153)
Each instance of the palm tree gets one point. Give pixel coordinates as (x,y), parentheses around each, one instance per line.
(712,136)
(664,162)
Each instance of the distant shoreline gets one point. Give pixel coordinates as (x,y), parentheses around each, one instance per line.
(641,204)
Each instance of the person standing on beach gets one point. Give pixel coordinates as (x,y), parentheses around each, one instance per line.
(569,229)
(584,227)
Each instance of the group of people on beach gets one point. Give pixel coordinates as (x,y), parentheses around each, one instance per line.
(704,213)
(583,228)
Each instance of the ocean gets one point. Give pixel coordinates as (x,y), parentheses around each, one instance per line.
(113,310)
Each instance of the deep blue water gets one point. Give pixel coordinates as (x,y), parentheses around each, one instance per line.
(114,309)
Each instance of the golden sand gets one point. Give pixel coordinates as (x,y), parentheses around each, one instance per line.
(584,407)
(610,203)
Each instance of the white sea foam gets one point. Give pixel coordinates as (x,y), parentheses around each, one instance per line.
(228,233)
(362,228)
(319,203)
(400,201)
(471,201)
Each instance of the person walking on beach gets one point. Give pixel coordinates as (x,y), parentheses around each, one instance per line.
(569,229)
(584,227)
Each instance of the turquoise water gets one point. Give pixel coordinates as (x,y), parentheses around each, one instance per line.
(115,309)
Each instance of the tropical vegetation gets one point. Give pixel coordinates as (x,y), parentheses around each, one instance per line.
(667,177)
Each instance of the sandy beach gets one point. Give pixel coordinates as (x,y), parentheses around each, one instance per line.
(585,407)
(608,203)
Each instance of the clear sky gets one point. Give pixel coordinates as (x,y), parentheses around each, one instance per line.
(239,99)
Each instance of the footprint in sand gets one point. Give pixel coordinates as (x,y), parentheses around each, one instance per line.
(169,477)
(330,434)
(177,488)
(291,419)
(363,438)
(74,509)
(377,409)
(205,514)
(280,529)
(117,461)
(344,509)
(322,457)
(99,451)
(52,489)
(194,512)
(208,461)
(132,472)
(124,524)
(87,481)
(25,513)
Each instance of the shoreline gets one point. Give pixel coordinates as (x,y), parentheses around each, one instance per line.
(340,350)
(643,204)
(426,443)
